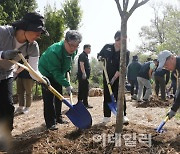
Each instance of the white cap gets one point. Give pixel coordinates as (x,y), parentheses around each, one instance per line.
(162,56)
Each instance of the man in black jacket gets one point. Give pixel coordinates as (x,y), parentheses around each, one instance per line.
(111,53)
(170,62)
(133,70)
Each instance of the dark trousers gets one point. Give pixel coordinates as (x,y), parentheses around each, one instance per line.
(52,105)
(6,103)
(174,86)
(160,83)
(134,87)
(83,89)
(107,98)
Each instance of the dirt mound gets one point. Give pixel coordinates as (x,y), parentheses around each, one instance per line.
(30,134)
(98,139)
(155,103)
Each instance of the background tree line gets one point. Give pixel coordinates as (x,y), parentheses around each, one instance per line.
(162,33)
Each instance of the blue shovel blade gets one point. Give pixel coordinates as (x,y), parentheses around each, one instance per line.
(113,107)
(80,116)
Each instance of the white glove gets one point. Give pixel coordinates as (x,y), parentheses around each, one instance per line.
(100,58)
(84,76)
(112,81)
(69,90)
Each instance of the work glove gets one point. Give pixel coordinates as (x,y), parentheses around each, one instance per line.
(9,54)
(69,90)
(112,81)
(171,114)
(100,58)
(84,76)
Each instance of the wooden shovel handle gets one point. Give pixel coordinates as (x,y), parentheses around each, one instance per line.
(69,80)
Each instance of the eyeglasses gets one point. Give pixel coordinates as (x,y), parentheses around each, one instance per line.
(72,45)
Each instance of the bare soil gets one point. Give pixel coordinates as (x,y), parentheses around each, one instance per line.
(31,136)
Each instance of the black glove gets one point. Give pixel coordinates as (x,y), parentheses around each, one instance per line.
(9,54)
(171,114)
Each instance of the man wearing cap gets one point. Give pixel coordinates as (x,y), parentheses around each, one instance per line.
(170,62)
(111,53)
(83,75)
(21,37)
(54,63)
(133,70)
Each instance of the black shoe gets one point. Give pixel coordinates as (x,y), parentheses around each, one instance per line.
(60,121)
(88,106)
(145,100)
(53,127)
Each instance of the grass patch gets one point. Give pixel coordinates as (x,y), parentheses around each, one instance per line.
(177,116)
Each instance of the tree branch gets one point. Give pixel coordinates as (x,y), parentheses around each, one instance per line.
(136,5)
(119,7)
(125,5)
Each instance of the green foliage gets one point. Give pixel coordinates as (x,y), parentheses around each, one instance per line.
(177,116)
(96,79)
(3,16)
(15,9)
(55,25)
(172,30)
(72,13)
(58,20)
(37,91)
(163,33)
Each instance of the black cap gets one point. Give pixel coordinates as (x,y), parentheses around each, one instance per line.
(117,35)
(135,58)
(32,21)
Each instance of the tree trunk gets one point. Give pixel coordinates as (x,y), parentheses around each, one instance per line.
(121,93)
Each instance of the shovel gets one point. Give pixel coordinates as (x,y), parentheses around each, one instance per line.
(112,105)
(77,113)
(69,80)
(160,127)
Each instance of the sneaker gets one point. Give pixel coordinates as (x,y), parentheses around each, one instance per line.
(139,101)
(88,106)
(134,97)
(53,127)
(125,120)
(61,121)
(106,119)
(145,100)
(26,110)
(19,110)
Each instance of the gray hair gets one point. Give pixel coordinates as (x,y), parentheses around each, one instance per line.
(73,35)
